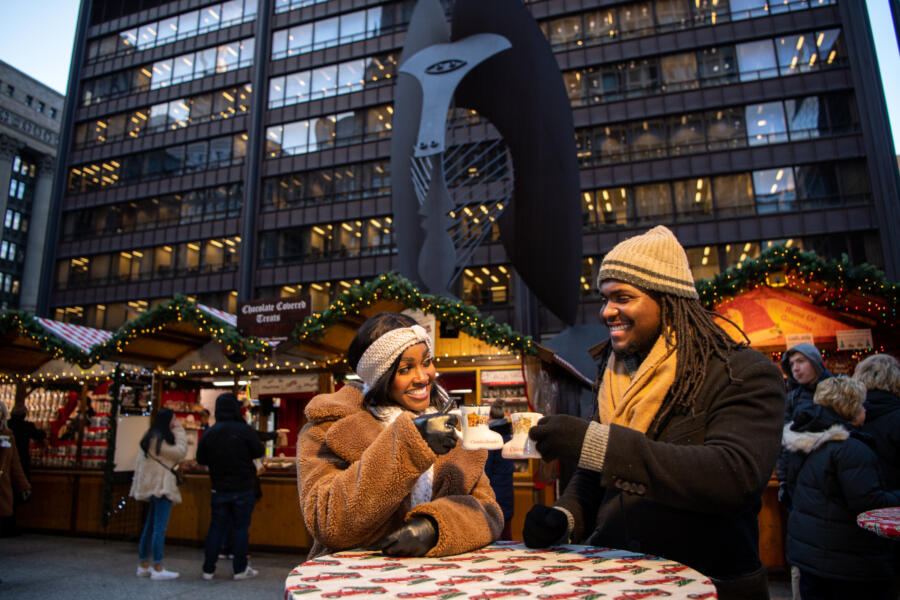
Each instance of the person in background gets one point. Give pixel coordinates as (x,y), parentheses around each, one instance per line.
(162,448)
(13,483)
(380,467)
(499,470)
(25,431)
(686,433)
(832,476)
(880,373)
(228,449)
(804,368)
(69,430)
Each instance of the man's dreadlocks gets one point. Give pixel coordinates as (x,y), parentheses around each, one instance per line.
(698,338)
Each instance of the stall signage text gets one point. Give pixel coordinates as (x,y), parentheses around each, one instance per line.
(274,318)
(854,339)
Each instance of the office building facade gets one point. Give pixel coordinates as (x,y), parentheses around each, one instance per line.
(30,114)
(241,149)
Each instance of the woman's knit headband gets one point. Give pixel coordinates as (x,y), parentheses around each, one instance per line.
(382,353)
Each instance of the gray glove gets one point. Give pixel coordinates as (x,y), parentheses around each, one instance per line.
(415,538)
(438,431)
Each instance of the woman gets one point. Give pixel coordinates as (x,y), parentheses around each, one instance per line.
(832,476)
(163,446)
(380,467)
(880,373)
(13,482)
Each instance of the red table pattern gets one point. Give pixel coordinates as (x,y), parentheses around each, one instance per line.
(883,521)
(501,570)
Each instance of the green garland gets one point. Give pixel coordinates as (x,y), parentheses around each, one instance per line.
(180,308)
(838,277)
(26,325)
(390,286)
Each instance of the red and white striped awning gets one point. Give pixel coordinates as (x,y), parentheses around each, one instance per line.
(83,338)
(221,314)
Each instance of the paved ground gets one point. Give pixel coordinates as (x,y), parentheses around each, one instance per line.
(33,566)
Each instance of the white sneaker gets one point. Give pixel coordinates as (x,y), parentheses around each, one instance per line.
(207,576)
(143,571)
(247,573)
(163,574)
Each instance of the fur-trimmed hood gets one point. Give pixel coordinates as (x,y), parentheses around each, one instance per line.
(808,441)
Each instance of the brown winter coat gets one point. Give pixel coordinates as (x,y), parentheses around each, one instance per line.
(154,479)
(12,477)
(355,476)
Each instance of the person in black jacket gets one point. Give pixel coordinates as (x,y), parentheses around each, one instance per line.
(832,476)
(25,431)
(500,470)
(880,373)
(804,368)
(685,435)
(228,449)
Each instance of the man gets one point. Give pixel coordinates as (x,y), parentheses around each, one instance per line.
(228,449)
(804,368)
(685,435)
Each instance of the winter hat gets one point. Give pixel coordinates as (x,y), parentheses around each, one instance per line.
(382,353)
(651,261)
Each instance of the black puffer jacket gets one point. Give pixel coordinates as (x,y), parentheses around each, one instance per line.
(883,424)
(833,476)
(229,447)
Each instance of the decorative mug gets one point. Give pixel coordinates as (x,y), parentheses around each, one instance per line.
(521,446)
(476,434)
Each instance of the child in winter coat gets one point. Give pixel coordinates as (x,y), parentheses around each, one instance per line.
(380,467)
(162,447)
(832,476)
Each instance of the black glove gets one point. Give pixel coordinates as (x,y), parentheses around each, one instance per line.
(415,538)
(544,526)
(559,436)
(438,431)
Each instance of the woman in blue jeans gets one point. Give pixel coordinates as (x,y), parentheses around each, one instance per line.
(162,447)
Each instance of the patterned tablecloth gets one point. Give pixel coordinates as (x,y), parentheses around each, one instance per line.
(501,570)
(883,521)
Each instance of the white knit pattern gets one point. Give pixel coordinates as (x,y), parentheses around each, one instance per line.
(382,353)
(421,491)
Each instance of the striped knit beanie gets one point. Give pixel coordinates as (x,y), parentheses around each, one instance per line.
(651,261)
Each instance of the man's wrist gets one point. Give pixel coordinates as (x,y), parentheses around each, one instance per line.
(593,449)
(570,525)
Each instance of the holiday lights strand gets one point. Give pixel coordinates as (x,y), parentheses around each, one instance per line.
(391,286)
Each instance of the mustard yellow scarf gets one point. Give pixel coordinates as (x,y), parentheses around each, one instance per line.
(634,401)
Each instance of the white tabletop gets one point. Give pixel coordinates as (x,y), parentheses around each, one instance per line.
(501,570)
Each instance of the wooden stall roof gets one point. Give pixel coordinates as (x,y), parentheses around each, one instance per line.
(787,291)
(169,332)
(324,337)
(28,342)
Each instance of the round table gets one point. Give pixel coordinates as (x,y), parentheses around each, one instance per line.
(500,570)
(883,521)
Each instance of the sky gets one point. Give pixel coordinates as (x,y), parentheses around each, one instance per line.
(39,43)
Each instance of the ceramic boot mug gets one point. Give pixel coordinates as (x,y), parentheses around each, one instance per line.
(520,445)
(476,435)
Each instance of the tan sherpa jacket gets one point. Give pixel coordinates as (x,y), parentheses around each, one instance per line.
(154,479)
(355,476)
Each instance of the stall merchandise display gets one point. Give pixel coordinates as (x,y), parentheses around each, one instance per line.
(43,405)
